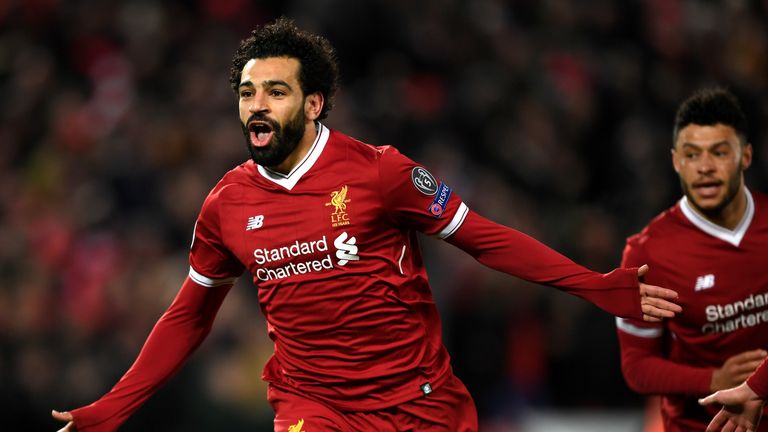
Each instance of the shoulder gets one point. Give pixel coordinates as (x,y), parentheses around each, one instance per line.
(761,201)
(660,229)
(349,147)
(354,146)
(231,185)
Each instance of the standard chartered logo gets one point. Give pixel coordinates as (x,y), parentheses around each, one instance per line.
(346,250)
(303,257)
(741,314)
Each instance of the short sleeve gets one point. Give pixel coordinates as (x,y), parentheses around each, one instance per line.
(210,261)
(416,199)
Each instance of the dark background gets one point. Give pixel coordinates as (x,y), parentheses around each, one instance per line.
(553,117)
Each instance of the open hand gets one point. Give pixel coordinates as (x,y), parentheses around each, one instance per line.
(654,300)
(741,410)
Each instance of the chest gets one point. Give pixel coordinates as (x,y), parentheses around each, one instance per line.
(305,233)
(720,286)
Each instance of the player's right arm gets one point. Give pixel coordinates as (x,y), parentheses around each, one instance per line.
(176,335)
(181,329)
(646,368)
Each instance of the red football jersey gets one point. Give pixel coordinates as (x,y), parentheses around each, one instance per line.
(333,251)
(722,281)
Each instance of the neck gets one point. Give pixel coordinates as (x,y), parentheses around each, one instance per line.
(301,150)
(730,216)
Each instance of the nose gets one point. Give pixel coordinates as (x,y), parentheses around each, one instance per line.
(706,163)
(258,103)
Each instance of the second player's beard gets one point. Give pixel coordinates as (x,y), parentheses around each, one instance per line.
(730,194)
(284,140)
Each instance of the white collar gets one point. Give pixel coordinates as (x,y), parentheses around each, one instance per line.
(731,236)
(289,180)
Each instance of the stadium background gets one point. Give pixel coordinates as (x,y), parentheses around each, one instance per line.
(553,117)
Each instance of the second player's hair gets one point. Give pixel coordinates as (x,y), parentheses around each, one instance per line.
(319,71)
(710,106)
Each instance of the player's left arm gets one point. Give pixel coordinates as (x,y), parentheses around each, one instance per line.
(415,199)
(619,292)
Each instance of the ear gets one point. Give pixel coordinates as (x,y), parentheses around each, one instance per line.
(675,160)
(313,105)
(746,157)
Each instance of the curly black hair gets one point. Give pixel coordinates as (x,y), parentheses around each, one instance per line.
(319,71)
(710,106)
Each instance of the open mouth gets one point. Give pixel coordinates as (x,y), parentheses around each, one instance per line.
(260,133)
(708,189)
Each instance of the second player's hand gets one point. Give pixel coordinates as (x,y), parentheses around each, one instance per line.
(741,412)
(654,300)
(736,369)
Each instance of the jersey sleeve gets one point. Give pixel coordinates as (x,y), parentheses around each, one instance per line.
(210,261)
(643,360)
(515,253)
(415,198)
(177,334)
(634,256)
(758,381)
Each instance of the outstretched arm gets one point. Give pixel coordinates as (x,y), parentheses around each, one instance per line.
(176,335)
(618,292)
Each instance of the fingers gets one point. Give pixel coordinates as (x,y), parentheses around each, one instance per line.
(651,314)
(662,304)
(751,356)
(64,416)
(717,422)
(713,398)
(657,308)
(654,291)
(70,427)
(642,270)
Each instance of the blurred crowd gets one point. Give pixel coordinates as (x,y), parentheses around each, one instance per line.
(553,117)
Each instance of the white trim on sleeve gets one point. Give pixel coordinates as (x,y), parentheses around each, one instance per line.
(208,282)
(455,223)
(643,332)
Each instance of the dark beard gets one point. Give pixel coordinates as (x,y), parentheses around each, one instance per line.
(715,212)
(284,139)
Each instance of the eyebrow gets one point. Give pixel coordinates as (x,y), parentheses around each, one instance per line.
(698,147)
(266,83)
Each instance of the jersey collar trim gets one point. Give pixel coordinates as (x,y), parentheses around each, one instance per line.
(733,237)
(289,180)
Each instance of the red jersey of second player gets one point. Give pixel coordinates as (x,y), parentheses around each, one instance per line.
(333,253)
(722,281)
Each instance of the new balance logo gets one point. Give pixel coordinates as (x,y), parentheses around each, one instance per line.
(704,282)
(346,250)
(254,222)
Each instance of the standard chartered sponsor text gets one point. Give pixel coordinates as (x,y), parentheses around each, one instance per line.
(737,315)
(293,250)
